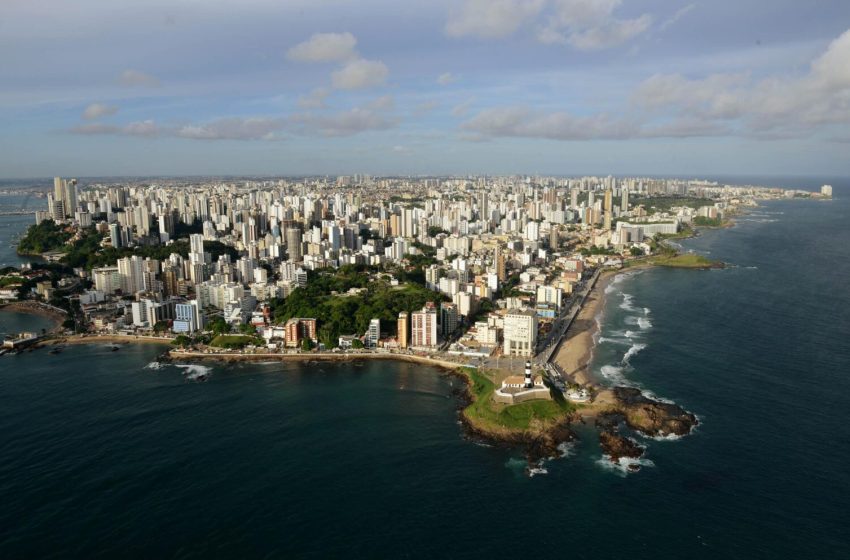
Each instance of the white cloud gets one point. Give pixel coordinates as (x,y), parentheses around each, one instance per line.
(345,123)
(404,150)
(462,109)
(382,103)
(135,78)
(590,24)
(446,78)
(680,13)
(97,110)
(525,123)
(324,47)
(137,128)
(359,74)
(491,19)
(584,24)
(775,107)
(610,34)
(234,128)
(425,107)
(315,99)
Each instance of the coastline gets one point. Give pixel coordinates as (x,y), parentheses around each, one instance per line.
(36,308)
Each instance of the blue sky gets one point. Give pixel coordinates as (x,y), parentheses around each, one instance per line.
(467,86)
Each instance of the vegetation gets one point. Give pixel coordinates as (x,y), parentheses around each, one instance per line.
(594,250)
(665,203)
(10,281)
(233,341)
(683,260)
(46,236)
(182,341)
(707,222)
(345,314)
(488,415)
(434,231)
(88,253)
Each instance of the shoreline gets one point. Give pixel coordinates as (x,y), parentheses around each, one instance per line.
(36,308)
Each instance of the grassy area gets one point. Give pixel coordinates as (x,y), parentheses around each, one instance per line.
(683,260)
(232,341)
(486,414)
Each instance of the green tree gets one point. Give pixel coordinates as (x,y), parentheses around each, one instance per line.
(357,343)
(306,344)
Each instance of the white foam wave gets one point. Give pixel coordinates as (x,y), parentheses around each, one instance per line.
(646,311)
(613,374)
(566,448)
(632,351)
(536,470)
(627,302)
(631,334)
(155,365)
(644,323)
(625,465)
(194,372)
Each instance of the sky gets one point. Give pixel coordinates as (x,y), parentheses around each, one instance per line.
(295,87)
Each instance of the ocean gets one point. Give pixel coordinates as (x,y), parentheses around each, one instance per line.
(110,454)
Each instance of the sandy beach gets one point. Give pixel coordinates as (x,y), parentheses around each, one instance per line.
(577,348)
(36,308)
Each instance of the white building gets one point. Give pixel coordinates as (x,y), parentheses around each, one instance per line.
(424,327)
(520,333)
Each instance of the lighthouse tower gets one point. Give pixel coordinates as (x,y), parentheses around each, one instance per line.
(529,383)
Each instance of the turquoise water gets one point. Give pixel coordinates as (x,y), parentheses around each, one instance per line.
(104,455)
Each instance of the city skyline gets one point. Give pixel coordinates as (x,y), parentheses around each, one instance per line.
(543,86)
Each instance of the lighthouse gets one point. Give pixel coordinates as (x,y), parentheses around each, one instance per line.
(529,383)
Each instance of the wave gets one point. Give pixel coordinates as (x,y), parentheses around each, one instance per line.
(194,372)
(644,323)
(632,351)
(627,303)
(624,466)
(567,448)
(155,365)
(614,374)
(536,470)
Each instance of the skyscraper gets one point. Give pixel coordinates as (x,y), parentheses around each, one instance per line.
(424,327)
(403,329)
(293,244)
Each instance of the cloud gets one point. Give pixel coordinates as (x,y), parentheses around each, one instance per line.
(234,128)
(491,19)
(680,13)
(134,78)
(359,74)
(425,107)
(345,123)
(583,24)
(97,110)
(610,34)
(774,107)
(382,103)
(446,78)
(314,100)
(324,47)
(138,128)
(525,123)
(403,150)
(590,25)
(462,109)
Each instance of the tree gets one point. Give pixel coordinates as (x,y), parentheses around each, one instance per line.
(636,251)
(357,343)
(160,326)
(219,326)
(306,344)
(181,340)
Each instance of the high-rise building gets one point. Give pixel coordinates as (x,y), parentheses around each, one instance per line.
(826,190)
(520,333)
(403,329)
(448,318)
(499,264)
(624,202)
(293,244)
(131,271)
(424,327)
(373,333)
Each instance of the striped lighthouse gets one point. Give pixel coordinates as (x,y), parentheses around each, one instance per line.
(529,383)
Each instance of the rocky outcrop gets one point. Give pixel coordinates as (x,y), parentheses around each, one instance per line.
(652,417)
(616,446)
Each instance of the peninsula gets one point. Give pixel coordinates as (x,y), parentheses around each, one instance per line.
(499,279)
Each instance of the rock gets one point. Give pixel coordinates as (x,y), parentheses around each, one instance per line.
(616,446)
(652,417)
